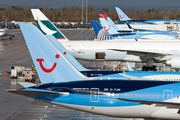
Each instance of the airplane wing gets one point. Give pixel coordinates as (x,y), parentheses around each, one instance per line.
(145,54)
(32,93)
(133,77)
(155,103)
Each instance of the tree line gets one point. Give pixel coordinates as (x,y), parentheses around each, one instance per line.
(74,14)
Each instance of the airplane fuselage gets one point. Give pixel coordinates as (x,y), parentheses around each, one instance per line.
(3,32)
(105,97)
(89,50)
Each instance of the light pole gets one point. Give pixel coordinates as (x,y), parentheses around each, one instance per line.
(86,11)
(82,11)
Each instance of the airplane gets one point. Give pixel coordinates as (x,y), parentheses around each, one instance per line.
(123,18)
(160,35)
(5,32)
(132,51)
(63,85)
(112,29)
(130,75)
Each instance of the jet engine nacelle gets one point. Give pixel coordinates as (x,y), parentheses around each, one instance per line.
(174,62)
(11,36)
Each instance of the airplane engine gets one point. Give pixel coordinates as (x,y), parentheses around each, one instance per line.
(174,62)
(11,36)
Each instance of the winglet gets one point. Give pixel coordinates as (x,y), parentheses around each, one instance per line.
(129,67)
(128,25)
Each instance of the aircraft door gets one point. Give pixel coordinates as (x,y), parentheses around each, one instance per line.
(167,95)
(94,95)
(100,55)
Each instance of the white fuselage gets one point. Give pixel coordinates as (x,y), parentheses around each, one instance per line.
(87,50)
(3,32)
(158,27)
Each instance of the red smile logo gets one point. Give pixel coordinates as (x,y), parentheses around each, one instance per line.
(106,29)
(45,69)
(122,16)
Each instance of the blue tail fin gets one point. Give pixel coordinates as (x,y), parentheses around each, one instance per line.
(50,63)
(103,15)
(109,28)
(67,55)
(101,33)
(122,16)
(96,26)
(113,24)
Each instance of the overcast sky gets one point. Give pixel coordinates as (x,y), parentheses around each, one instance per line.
(168,4)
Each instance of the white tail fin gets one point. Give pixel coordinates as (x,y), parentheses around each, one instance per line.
(46,26)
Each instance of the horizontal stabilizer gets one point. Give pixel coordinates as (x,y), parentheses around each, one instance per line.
(32,93)
(26,84)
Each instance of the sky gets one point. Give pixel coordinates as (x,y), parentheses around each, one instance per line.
(125,4)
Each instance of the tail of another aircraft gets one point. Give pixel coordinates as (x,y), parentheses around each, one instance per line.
(122,16)
(103,15)
(68,56)
(50,63)
(101,33)
(109,28)
(46,26)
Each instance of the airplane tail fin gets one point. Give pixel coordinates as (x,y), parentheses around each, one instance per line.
(102,14)
(68,56)
(109,28)
(113,24)
(109,20)
(50,63)
(101,33)
(46,26)
(122,16)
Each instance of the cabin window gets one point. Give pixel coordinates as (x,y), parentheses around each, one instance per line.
(141,95)
(145,95)
(153,95)
(125,95)
(157,95)
(137,95)
(129,95)
(149,95)
(117,94)
(177,96)
(133,95)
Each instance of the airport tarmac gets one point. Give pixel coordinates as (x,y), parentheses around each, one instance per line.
(16,107)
